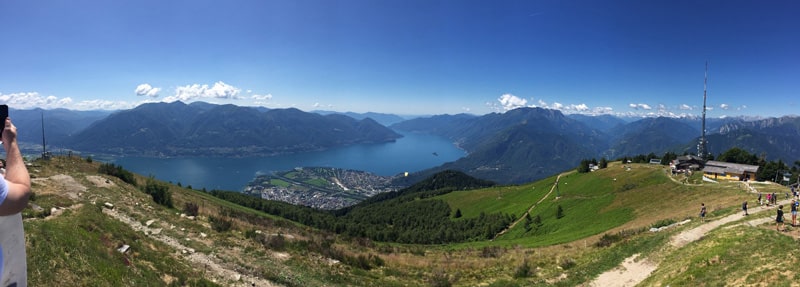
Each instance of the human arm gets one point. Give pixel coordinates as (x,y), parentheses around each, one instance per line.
(17,178)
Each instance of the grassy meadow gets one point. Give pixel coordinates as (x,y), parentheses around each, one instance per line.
(606,215)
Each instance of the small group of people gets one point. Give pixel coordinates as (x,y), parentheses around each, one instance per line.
(772,199)
(779,225)
(779,218)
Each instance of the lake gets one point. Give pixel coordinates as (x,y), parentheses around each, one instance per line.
(413,152)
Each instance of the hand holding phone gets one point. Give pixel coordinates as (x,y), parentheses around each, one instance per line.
(3,116)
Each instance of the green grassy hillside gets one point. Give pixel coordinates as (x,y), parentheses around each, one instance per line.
(604,219)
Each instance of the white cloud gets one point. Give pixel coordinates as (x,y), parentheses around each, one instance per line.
(724,106)
(147,90)
(579,108)
(32,100)
(266,97)
(685,107)
(104,105)
(602,110)
(556,106)
(640,106)
(220,90)
(510,102)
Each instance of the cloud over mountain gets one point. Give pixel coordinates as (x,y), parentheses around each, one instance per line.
(219,90)
(147,90)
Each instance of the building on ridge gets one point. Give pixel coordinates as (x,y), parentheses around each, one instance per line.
(729,171)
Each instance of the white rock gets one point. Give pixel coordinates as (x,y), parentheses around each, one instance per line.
(109,205)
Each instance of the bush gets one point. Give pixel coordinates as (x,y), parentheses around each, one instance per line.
(607,239)
(220,224)
(118,172)
(159,192)
(567,263)
(191,209)
(439,279)
(523,271)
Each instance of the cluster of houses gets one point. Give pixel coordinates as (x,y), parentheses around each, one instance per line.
(716,170)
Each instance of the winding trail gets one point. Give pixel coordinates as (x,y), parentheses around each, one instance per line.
(633,270)
(555,185)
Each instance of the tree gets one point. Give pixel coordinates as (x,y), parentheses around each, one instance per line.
(668,157)
(528,222)
(737,155)
(603,163)
(458,213)
(559,212)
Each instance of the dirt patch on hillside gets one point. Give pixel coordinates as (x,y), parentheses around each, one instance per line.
(60,184)
(100,181)
(629,273)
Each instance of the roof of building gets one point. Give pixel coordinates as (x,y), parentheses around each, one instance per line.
(728,167)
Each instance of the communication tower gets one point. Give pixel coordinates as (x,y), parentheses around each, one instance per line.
(702,146)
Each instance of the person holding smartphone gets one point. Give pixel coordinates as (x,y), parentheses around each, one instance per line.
(16,186)
(15,189)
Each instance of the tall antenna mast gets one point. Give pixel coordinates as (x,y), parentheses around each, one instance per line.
(702,148)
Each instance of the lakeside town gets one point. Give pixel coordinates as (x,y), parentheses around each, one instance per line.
(319,187)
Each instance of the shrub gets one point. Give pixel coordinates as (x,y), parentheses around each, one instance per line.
(567,263)
(191,209)
(523,271)
(439,279)
(220,224)
(607,239)
(159,192)
(118,172)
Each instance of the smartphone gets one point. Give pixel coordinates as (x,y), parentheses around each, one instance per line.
(3,116)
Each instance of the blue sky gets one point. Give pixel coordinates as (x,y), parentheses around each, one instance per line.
(406,57)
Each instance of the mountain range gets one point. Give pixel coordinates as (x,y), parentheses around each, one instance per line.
(528,144)
(179,129)
(516,146)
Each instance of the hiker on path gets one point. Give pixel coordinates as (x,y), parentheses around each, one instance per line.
(703,212)
(744,207)
(774,198)
(794,213)
(759,200)
(779,219)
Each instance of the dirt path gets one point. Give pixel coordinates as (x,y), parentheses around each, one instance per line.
(532,206)
(633,270)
